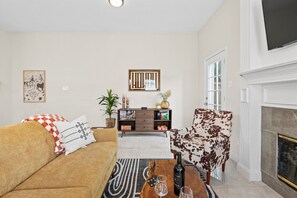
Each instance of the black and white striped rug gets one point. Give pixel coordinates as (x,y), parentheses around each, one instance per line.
(129,177)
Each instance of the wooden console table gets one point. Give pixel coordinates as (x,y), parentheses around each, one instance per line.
(144,120)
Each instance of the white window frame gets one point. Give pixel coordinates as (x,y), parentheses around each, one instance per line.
(219,55)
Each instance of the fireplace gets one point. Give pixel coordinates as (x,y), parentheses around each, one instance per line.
(278,150)
(287,160)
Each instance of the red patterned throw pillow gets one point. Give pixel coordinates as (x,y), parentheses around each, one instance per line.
(47,121)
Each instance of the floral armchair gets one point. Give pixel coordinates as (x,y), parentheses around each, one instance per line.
(207,142)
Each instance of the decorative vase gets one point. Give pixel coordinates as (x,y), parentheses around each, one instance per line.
(165,104)
(110,122)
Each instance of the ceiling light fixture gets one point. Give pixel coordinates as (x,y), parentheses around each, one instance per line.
(116,3)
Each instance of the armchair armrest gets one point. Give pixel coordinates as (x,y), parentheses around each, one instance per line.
(218,150)
(180,132)
(105,135)
(177,138)
(209,153)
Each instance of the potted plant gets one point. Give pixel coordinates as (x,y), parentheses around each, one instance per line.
(165,104)
(110,102)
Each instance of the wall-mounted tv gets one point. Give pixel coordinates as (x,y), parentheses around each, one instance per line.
(280,17)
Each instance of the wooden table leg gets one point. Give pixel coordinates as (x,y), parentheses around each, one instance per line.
(223,167)
(208,177)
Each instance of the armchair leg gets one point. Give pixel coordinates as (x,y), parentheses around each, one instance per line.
(208,177)
(223,167)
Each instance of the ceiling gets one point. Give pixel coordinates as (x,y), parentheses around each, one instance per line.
(100,16)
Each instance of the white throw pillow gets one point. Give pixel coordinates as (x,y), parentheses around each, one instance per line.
(76,134)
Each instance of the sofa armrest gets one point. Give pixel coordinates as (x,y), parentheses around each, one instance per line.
(105,135)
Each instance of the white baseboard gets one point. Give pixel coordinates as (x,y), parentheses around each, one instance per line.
(255,175)
(234,157)
(243,170)
(251,175)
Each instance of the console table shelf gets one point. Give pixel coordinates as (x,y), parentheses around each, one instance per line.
(144,120)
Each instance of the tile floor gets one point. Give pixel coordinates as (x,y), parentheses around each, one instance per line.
(228,185)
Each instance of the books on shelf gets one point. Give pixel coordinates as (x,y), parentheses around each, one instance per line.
(127,115)
(163,115)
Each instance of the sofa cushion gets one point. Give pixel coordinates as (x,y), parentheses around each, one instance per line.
(76,134)
(24,149)
(77,192)
(83,168)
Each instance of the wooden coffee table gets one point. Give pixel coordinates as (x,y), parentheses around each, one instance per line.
(165,167)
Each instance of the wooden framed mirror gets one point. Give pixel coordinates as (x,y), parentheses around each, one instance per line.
(144,80)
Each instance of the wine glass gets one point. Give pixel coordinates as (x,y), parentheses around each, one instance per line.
(186,192)
(162,179)
(161,186)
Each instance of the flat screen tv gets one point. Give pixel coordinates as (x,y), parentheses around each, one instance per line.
(280,17)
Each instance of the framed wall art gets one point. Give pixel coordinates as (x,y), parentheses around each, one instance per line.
(144,80)
(34,89)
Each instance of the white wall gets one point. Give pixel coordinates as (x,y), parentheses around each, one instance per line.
(223,31)
(5,75)
(90,63)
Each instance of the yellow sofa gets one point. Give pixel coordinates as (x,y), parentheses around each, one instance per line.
(30,169)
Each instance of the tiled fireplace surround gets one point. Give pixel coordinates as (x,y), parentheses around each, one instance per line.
(274,121)
(268,106)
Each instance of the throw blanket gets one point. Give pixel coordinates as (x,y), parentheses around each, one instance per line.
(47,121)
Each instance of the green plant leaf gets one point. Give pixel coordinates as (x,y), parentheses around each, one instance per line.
(110,102)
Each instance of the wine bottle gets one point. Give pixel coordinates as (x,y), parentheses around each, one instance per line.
(179,175)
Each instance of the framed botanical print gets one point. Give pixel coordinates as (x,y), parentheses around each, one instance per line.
(34,89)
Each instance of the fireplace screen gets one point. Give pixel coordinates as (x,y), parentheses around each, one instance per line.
(287,160)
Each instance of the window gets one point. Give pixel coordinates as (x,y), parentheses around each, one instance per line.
(215,81)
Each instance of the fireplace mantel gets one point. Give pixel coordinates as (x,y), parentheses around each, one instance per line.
(274,85)
(284,72)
